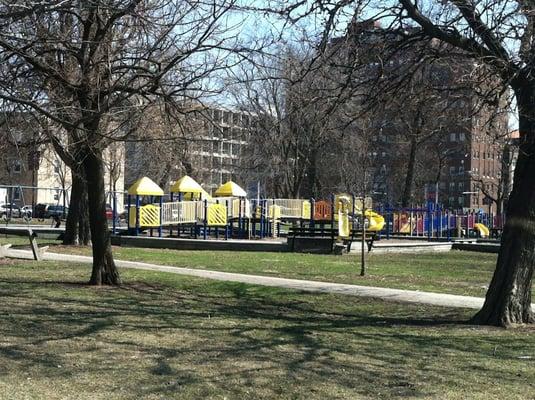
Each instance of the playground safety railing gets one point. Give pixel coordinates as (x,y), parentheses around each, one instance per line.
(291,208)
(237,208)
(182,212)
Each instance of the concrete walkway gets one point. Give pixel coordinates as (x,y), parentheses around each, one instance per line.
(406,296)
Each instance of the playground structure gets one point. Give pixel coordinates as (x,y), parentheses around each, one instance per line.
(193,212)
(432,221)
(187,210)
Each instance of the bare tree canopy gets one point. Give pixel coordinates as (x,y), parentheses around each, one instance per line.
(497,36)
(89,67)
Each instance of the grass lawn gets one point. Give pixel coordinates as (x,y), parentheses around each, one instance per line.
(454,272)
(163,336)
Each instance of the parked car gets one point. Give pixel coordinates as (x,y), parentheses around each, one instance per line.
(56,211)
(8,210)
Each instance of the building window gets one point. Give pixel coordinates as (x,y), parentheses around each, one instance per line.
(235,119)
(226,148)
(16,194)
(236,149)
(461,201)
(462,137)
(452,186)
(17,167)
(453,137)
(452,170)
(461,186)
(461,170)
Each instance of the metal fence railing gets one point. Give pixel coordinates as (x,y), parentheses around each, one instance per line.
(182,212)
(291,208)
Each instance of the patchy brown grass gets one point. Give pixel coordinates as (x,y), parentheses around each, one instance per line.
(163,336)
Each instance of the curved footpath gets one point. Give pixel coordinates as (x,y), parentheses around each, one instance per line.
(406,296)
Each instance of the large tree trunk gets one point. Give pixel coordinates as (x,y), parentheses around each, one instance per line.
(104,269)
(77,226)
(409,176)
(508,300)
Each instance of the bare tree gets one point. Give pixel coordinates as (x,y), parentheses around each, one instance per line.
(163,144)
(291,131)
(498,38)
(484,31)
(89,67)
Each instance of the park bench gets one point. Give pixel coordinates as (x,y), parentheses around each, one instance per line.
(296,232)
(32,236)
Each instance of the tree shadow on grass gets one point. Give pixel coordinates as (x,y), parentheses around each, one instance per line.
(212,338)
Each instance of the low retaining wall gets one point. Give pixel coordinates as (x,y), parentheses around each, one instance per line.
(478,247)
(198,244)
(315,245)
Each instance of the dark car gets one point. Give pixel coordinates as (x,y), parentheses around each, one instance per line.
(56,211)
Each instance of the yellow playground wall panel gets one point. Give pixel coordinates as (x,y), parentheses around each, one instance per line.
(149,216)
(217,215)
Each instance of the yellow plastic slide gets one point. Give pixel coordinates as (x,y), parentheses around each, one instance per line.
(376,221)
(482,229)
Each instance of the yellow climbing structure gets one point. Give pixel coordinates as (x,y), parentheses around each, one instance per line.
(149,214)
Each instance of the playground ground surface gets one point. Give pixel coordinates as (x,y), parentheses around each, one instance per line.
(167,336)
(454,272)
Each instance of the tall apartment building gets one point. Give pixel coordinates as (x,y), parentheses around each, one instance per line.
(460,164)
(223,142)
(208,144)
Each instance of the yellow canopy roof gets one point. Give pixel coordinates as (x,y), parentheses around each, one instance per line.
(230,189)
(145,187)
(192,196)
(186,184)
